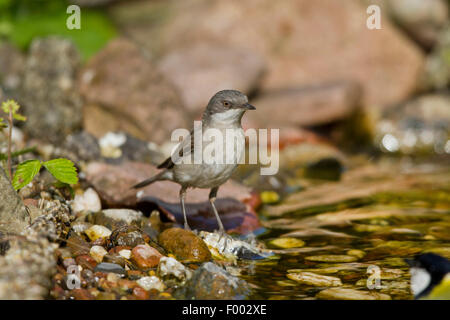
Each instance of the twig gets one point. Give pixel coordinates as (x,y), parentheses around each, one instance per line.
(10,120)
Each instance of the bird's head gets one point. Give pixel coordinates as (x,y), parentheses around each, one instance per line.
(227,105)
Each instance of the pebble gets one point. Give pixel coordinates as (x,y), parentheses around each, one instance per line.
(169,268)
(81,294)
(115,258)
(145,256)
(97,231)
(151,282)
(332,258)
(140,293)
(86,261)
(350,294)
(356,253)
(98,252)
(185,245)
(112,277)
(125,253)
(127,215)
(286,243)
(316,280)
(88,201)
(107,267)
(128,236)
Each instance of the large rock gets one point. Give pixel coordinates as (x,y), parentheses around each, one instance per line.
(211,282)
(201,70)
(50,96)
(113,183)
(422,20)
(12,211)
(125,92)
(304,42)
(306,106)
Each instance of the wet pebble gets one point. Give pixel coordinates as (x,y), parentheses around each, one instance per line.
(98,252)
(212,282)
(286,243)
(81,294)
(170,269)
(350,294)
(107,267)
(185,245)
(97,231)
(145,256)
(316,280)
(140,293)
(128,236)
(151,282)
(86,262)
(332,258)
(115,258)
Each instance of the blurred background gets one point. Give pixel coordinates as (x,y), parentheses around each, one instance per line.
(363,115)
(147,67)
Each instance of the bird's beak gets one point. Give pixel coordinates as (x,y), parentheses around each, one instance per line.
(248,106)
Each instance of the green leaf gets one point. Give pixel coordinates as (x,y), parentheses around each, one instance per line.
(63,170)
(19,117)
(25,173)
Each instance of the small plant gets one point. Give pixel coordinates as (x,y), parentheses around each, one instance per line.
(62,169)
(11,108)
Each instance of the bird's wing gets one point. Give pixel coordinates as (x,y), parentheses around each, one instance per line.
(182,147)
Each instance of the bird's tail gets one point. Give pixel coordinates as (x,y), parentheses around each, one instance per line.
(160,176)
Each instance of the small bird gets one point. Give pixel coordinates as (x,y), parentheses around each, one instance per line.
(224,113)
(430,276)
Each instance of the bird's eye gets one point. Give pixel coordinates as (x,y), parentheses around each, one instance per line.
(226,103)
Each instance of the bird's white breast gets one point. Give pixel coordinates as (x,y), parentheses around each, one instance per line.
(213,171)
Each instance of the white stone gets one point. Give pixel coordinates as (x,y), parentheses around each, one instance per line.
(151,282)
(126,215)
(125,253)
(88,201)
(98,252)
(170,267)
(97,231)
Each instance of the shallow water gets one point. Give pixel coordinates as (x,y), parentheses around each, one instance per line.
(383,213)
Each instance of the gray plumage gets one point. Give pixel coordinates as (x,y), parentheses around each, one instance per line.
(223,112)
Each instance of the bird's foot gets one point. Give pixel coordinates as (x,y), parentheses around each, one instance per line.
(223,236)
(186,227)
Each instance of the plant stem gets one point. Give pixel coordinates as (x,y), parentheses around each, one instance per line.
(10,120)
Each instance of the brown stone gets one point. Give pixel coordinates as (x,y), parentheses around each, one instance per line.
(125,92)
(307,106)
(145,256)
(185,245)
(86,262)
(201,70)
(140,293)
(81,294)
(113,184)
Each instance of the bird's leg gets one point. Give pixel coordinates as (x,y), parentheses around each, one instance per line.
(182,197)
(222,232)
(212,199)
